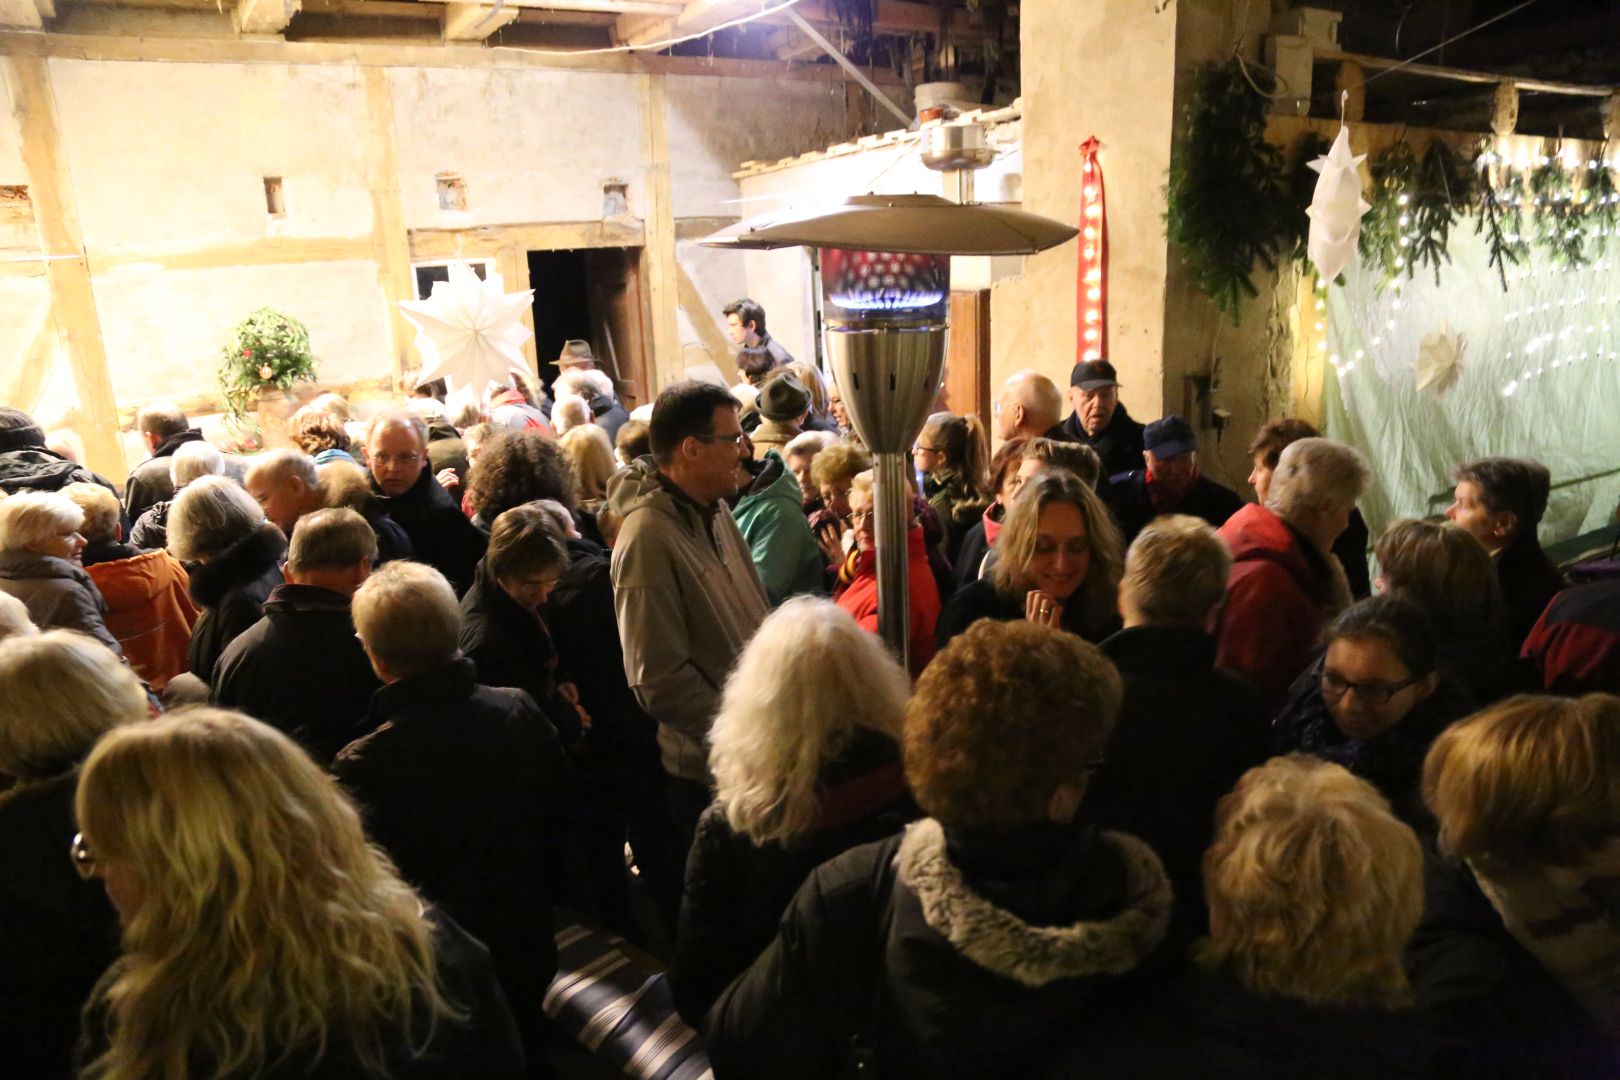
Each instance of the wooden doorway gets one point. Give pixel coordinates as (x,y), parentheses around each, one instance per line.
(967,358)
(594,294)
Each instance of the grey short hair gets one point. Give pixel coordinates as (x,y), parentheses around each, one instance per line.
(161,418)
(1036,393)
(429,409)
(583,384)
(809,442)
(30,517)
(468,413)
(331,539)
(559,515)
(407,617)
(279,466)
(195,459)
(1315,476)
(60,691)
(210,515)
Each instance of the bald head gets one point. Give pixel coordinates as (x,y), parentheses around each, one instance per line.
(285,484)
(1029,406)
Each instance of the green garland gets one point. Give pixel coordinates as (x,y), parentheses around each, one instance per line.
(1231,201)
(266,349)
(1227,204)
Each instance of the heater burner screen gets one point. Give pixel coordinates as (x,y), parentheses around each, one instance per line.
(866,283)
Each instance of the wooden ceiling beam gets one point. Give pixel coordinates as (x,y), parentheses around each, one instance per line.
(475,21)
(25,14)
(264,16)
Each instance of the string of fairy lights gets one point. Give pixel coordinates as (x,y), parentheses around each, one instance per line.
(1558,315)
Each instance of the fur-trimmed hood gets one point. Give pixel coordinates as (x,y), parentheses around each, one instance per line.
(252,557)
(1005,945)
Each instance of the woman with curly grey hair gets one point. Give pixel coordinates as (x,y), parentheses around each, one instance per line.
(806,765)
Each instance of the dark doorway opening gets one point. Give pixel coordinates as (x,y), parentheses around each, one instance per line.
(593,294)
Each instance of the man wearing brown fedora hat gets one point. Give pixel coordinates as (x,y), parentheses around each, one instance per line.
(576,355)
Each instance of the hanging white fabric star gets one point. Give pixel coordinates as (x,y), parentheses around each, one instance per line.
(1439,361)
(1336,208)
(470,332)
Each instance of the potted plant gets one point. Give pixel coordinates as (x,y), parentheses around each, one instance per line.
(266,354)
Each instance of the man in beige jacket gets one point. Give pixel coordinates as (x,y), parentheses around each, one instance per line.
(684,585)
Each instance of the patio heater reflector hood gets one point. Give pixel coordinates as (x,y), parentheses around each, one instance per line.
(885,281)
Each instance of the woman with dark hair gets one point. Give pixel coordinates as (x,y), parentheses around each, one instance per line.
(1005,479)
(952,454)
(994,927)
(1448,573)
(1501,501)
(517,467)
(1374,701)
(281,943)
(1059,560)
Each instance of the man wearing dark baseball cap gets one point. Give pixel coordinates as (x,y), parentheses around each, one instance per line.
(1099,420)
(1171,482)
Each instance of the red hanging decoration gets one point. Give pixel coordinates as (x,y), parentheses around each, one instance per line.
(1091,309)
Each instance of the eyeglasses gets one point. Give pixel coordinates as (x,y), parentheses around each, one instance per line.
(83,861)
(861,517)
(396,459)
(1375,694)
(926,449)
(734,440)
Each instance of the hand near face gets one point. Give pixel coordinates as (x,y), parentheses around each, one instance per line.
(831,539)
(1043,609)
(448,479)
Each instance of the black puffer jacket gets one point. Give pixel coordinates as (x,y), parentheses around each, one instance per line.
(231,588)
(300,669)
(948,955)
(57,932)
(736,890)
(440,533)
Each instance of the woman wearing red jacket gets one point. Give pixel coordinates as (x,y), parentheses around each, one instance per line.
(857,578)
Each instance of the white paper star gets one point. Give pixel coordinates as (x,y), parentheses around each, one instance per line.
(470,332)
(1336,209)
(1439,361)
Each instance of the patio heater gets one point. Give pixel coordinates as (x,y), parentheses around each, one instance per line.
(885,292)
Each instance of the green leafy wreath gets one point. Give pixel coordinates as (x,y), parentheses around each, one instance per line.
(267,349)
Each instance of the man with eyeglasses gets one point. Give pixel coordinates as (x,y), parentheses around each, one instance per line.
(684,584)
(440,534)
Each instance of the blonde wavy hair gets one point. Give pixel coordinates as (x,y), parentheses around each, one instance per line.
(1314,887)
(1532,781)
(1015,546)
(590,452)
(807,680)
(270,929)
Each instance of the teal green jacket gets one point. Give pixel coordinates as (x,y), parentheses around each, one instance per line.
(771,517)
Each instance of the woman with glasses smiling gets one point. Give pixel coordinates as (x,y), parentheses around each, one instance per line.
(1374,701)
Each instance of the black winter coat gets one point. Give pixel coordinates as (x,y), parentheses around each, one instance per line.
(440,533)
(1494,1010)
(461,785)
(301,670)
(1188,730)
(1208,1026)
(736,890)
(942,954)
(591,653)
(512,646)
(152,481)
(481,1046)
(981,600)
(231,588)
(1132,502)
(58,933)
(1529,582)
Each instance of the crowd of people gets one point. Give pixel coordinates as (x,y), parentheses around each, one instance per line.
(1173,784)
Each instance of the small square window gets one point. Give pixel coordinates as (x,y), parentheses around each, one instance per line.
(275,199)
(452,192)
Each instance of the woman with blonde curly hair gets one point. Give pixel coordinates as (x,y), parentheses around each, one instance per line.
(59,693)
(992,929)
(1314,888)
(1527,798)
(263,936)
(806,765)
(1059,560)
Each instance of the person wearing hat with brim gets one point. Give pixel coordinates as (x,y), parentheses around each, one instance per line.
(1171,483)
(783,404)
(1099,419)
(576,355)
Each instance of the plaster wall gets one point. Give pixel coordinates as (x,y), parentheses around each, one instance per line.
(1103,68)
(169,158)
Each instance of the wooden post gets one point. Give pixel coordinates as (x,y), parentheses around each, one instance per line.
(390,245)
(73,300)
(512,262)
(663,275)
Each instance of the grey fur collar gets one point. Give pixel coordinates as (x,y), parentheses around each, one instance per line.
(1005,945)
